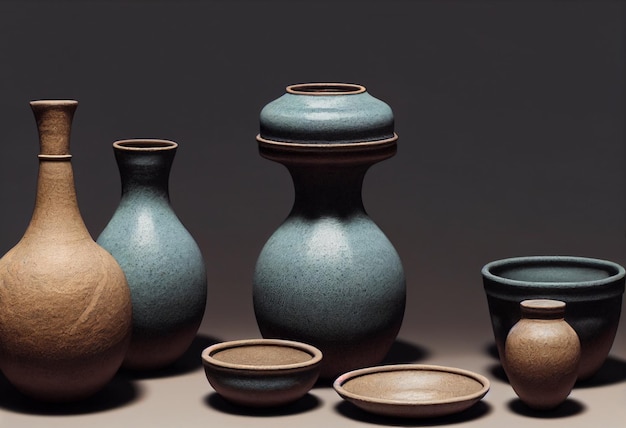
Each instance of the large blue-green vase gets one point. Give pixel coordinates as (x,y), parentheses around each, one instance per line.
(162,262)
(328,275)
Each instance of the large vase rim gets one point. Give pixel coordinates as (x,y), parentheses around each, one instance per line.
(325,89)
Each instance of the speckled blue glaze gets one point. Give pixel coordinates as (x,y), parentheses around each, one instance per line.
(326,113)
(162,262)
(328,275)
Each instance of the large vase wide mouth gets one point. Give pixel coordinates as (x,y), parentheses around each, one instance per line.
(325,89)
(564,273)
(326,113)
(144,145)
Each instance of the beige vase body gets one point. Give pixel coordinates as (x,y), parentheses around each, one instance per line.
(65,308)
(542,354)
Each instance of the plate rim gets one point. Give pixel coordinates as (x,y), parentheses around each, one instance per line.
(353,374)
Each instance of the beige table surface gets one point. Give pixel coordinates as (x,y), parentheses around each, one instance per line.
(181,396)
(511,123)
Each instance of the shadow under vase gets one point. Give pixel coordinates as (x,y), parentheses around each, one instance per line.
(189,361)
(119,392)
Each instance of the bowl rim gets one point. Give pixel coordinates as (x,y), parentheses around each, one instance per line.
(207,354)
(618,271)
(344,378)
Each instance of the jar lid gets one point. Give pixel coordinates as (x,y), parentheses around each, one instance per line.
(326,113)
(542,308)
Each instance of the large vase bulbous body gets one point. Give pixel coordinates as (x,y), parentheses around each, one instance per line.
(65,310)
(162,262)
(328,275)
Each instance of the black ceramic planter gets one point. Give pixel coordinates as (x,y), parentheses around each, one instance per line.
(591,288)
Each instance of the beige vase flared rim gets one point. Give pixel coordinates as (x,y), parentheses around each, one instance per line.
(53,102)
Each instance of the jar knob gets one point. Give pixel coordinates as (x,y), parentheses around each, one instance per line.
(542,309)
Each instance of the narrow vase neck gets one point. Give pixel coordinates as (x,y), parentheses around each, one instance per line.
(56,215)
(56,207)
(333,190)
(54,124)
(144,171)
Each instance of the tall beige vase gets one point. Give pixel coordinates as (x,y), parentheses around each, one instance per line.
(65,308)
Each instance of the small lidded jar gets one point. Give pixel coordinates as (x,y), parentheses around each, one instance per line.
(542,354)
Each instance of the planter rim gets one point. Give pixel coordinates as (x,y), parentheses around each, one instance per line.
(616,271)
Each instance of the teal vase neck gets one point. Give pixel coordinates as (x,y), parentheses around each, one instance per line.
(145,167)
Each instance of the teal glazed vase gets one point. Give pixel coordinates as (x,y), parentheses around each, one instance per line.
(161,260)
(328,276)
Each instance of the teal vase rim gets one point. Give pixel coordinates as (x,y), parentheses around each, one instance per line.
(616,272)
(145,145)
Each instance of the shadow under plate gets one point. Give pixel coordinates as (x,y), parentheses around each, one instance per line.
(351,411)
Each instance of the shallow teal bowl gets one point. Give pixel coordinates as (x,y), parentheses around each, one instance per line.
(262,372)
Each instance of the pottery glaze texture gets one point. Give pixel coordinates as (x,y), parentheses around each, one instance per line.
(65,310)
(328,275)
(162,262)
(347,114)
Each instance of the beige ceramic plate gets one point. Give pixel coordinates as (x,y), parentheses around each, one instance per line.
(412,390)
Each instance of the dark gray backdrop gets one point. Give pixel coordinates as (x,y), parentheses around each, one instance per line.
(510,116)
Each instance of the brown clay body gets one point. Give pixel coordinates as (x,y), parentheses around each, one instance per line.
(542,354)
(65,309)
